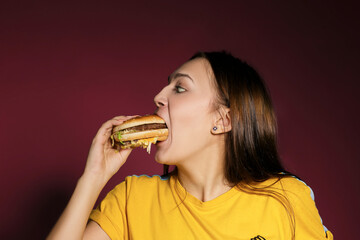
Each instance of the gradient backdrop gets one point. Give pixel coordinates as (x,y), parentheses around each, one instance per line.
(66,67)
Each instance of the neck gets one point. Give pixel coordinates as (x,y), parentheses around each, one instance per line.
(204,176)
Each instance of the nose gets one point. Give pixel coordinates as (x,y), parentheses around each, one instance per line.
(160,99)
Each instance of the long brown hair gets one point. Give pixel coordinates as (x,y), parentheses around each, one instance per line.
(251,145)
(251,154)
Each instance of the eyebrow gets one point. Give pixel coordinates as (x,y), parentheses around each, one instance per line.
(178,75)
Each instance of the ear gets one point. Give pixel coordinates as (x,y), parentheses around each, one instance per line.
(222,121)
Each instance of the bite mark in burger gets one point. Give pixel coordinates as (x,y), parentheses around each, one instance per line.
(139,132)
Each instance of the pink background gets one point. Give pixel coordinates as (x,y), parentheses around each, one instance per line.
(65,68)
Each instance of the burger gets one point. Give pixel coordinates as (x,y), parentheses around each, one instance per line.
(139,132)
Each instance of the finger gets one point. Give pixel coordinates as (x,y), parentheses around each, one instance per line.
(109,125)
(121,117)
(105,130)
(124,118)
(124,153)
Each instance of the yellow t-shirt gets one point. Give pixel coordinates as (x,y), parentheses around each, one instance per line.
(144,207)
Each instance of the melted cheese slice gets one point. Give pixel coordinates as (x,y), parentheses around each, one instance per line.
(146,143)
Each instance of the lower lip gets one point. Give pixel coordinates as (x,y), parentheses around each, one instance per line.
(160,143)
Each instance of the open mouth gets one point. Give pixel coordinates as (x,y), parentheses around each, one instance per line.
(160,143)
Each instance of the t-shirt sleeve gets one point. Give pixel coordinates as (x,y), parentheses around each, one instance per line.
(110,214)
(308,223)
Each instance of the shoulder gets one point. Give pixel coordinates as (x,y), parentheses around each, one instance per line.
(145,179)
(288,188)
(289,185)
(296,189)
(133,186)
(141,184)
(302,200)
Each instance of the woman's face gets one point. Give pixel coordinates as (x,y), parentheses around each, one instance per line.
(186,104)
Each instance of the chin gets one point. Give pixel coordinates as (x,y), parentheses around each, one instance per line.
(162,157)
(159,158)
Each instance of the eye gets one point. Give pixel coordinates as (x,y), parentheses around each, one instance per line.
(179,89)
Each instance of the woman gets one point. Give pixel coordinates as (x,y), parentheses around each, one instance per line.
(228,182)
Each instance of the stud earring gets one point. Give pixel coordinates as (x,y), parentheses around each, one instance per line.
(215,128)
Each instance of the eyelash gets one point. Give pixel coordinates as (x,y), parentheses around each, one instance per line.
(177,87)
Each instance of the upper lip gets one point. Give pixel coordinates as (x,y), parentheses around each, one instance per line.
(156,113)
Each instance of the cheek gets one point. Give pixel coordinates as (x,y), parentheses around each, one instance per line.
(189,116)
(190,125)
(189,108)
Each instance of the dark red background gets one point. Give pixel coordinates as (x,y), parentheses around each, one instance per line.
(66,67)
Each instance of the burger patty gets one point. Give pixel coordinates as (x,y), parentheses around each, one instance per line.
(118,145)
(146,127)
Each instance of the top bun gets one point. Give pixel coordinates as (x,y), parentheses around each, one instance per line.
(147,119)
